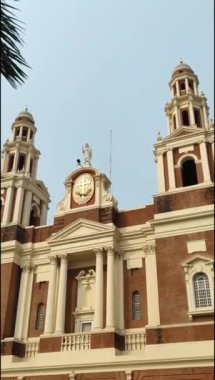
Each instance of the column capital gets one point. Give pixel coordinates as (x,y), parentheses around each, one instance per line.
(63,257)
(120,253)
(27,267)
(98,251)
(52,259)
(149,249)
(109,250)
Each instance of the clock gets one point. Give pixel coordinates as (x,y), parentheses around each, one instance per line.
(83,188)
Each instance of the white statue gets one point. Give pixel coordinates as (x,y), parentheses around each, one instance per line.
(87,152)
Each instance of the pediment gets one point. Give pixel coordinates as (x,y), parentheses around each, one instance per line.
(196,259)
(183,132)
(82,229)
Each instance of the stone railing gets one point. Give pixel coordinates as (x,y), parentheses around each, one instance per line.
(31,347)
(134,340)
(75,342)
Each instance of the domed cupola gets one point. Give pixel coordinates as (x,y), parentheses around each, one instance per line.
(187,107)
(185,156)
(25,199)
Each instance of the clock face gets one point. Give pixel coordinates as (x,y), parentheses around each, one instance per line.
(83,188)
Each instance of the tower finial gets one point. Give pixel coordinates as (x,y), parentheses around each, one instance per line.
(26,108)
(181,61)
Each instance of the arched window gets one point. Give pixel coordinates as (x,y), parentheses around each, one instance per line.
(40,317)
(189,175)
(185,118)
(34,217)
(201,290)
(136,306)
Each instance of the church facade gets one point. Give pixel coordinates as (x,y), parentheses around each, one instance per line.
(103,293)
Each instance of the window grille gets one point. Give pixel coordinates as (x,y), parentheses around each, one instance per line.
(136,306)
(40,317)
(201,290)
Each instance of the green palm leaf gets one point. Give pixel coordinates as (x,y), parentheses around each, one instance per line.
(12,60)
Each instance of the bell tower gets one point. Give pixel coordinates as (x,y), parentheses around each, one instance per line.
(24,199)
(185,157)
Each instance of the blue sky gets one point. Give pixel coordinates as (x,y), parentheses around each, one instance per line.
(102,65)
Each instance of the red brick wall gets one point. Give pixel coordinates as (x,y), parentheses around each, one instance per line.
(10,281)
(135,280)
(170,253)
(180,334)
(205,373)
(183,200)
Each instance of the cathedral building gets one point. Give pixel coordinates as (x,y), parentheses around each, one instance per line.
(104,294)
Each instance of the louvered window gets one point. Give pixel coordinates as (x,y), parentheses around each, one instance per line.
(40,317)
(136,306)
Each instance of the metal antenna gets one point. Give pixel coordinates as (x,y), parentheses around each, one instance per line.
(110,154)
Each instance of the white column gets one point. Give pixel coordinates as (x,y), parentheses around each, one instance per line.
(177,117)
(160,173)
(28,135)
(169,124)
(43,214)
(51,296)
(34,170)
(18,205)
(191,113)
(119,290)
(98,315)
(152,286)
(15,161)
(61,301)
(195,88)
(171,170)
(186,85)
(212,149)
(177,88)
(8,205)
(20,314)
(4,161)
(204,160)
(110,289)
(28,162)
(205,117)
(27,208)
(28,302)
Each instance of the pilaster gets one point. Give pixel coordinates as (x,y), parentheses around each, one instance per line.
(61,301)
(110,322)
(98,315)
(18,205)
(171,170)
(20,315)
(51,296)
(204,160)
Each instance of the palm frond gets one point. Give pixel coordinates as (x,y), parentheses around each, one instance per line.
(12,60)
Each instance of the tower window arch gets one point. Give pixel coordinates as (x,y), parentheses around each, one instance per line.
(189,173)
(40,318)
(201,290)
(135,306)
(34,216)
(21,162)
(10,162)
(182,87)
(185,117)
(197,117)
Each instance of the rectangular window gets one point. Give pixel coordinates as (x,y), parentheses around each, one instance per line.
(86,326)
